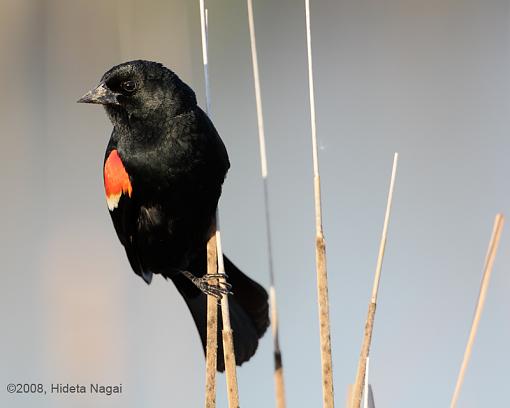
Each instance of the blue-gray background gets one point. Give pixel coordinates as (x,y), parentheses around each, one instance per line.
(426,78)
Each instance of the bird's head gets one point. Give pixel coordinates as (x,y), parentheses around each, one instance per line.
(141,90)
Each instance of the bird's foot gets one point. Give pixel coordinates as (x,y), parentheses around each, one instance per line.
(217,289)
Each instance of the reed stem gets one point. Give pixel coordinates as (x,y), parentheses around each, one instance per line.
(211,354)
(320,244)
(489,263)
(369,325)
(278,364)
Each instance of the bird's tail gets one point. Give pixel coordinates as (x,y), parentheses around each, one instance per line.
(248,306)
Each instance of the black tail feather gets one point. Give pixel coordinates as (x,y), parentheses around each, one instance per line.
(248,307)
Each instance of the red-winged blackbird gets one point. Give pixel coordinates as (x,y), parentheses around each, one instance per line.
(163,171)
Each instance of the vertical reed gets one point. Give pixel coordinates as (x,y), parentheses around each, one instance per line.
(489,263)
(227,336)
(211,353)
(278,365)
(369,325)
(320,244)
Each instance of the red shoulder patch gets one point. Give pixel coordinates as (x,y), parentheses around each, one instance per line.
(116,180)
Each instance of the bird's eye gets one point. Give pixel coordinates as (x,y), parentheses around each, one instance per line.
(129,86)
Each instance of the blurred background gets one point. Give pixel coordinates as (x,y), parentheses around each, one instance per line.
(428,79)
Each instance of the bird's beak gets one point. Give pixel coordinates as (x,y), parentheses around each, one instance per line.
(101,95)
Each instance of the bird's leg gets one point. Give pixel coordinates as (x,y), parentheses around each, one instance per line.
(218,289)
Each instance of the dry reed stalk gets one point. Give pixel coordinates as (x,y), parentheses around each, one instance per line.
(212,250)
(212,330)
(227,336)
(278,366)
(489,263)
(320,245)
(369,325)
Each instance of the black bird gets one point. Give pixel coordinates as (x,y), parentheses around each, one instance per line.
(163,170)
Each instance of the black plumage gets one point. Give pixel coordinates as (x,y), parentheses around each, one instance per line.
(175,163)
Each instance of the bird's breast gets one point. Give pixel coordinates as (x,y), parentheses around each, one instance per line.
(116,180)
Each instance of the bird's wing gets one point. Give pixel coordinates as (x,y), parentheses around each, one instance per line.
(122,206)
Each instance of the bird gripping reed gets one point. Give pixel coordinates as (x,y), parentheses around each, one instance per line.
(227,335)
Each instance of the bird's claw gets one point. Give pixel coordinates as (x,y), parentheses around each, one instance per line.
(218,289)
